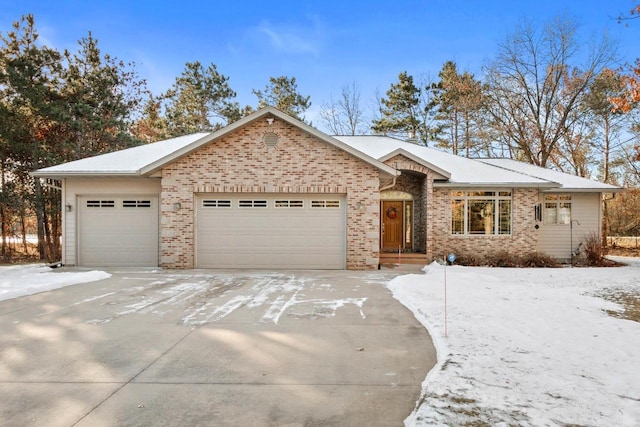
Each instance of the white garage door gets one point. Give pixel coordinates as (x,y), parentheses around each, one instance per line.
(118,231)
(271,231)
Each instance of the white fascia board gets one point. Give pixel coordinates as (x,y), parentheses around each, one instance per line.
(550,185)
(153,167)
(160,163)
(401,151)
(611,189)
(82,174)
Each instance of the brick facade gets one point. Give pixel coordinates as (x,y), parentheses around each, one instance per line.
(416,180)
(240,162)
(523,237)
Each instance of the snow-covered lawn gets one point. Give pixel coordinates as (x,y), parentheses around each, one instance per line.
(526,346)
(20,280)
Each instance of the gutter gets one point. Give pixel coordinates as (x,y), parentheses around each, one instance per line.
(83,174)
(550,185)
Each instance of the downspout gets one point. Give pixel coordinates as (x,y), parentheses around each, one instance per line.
(393,181)
(388,186)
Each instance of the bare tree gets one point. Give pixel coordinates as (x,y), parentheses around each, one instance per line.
(344,116)
(536,86)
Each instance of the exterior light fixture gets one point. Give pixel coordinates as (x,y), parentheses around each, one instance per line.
(177,206)
(68,207)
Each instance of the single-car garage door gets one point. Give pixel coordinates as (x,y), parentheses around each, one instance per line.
(118,231)
(271,231)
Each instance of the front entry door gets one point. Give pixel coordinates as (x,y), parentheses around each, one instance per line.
(392,225)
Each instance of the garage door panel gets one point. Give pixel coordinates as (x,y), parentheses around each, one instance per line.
(122,233)
(275,236)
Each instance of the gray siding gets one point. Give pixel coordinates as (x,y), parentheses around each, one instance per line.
(555,239)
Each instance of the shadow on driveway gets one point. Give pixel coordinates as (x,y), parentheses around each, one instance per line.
(204,347)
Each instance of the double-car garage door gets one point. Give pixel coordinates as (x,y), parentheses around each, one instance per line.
(231,231)
(270,231)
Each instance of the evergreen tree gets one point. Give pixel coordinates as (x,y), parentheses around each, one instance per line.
(200,100)
(459,109)
(151,126)
(101,94)
(400,110)
(282,93)
(29,82)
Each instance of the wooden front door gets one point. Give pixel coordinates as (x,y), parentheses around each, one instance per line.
(392,225)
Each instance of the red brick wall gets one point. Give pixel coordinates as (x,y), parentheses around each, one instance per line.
(240,162)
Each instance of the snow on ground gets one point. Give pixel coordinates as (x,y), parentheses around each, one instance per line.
(526,346)
(21,280)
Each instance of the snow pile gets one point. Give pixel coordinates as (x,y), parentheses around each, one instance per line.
(526,346)
(21,280)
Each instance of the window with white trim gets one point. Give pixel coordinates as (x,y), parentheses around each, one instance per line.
(481,212)
(557,209)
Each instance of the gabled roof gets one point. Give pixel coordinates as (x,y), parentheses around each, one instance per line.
(443,174)
(146,159)
(461,171)
(568,182)
(127,162)
(451,170)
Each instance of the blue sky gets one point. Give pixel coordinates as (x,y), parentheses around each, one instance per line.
(324,44)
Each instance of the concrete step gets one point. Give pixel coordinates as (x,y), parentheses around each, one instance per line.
(404,258)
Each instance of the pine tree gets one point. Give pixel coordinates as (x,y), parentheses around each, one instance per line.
(101,94)
(282,93)
(200,100)
(459,107)
(400,115)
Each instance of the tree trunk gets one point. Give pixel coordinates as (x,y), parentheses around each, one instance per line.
(2,211)
(23,224)
(40,216)
(605,223)
(607,130)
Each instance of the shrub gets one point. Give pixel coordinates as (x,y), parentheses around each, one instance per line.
(507,259)
(503,259)
(539,259)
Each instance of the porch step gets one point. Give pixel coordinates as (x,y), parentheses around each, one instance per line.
(404,258)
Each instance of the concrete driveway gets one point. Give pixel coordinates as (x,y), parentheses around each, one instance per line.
(213,348)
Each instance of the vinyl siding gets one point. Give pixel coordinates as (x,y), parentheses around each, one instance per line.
(555,239)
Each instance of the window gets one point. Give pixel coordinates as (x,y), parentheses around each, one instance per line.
(207,203)
(289,204)
(101,203)
(325,203)
(481,212)
(136,203)
(252,204)
(557,209)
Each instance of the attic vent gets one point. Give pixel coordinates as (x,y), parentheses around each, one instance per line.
(270,139)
